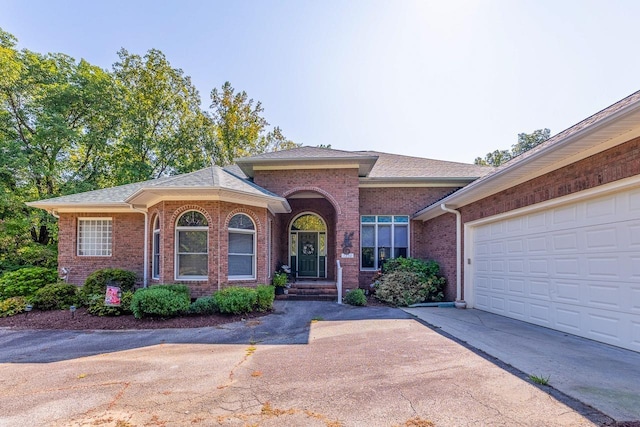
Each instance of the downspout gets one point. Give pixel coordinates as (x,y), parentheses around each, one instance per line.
(460,303)
(145,259)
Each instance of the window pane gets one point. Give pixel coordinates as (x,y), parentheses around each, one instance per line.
(240,243)
(242,222)
(308,223)
(367,257)
(384,235)
(323,244)
(240,265)
(192,241)
(156,254)
(94,237)
(369,218)
(401,219)
(400,252)
(400,236)
(384,219)
(192,219)
(293,250)
(368,235)
(192,265)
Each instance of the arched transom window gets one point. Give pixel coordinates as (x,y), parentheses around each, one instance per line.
(192,237)
(242,247)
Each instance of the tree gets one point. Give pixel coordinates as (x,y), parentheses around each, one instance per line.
(240,127)
(525,143)
(162,128)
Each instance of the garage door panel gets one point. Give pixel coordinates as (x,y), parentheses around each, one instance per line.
(574,268)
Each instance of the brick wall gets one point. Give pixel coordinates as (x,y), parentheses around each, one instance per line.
(340,188)
(127,246)
(401,201)
(622,161)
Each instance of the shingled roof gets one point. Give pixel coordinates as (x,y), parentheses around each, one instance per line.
(205,183)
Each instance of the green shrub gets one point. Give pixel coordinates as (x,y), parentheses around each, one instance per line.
(96,283)
(423,268)
(55,296)
(158,301)
(204,305)
(236,300)
(97,307)
(26,281)
(179,289)
(12,306)
(356,297)
(402,288)
(280,279)
(265,295)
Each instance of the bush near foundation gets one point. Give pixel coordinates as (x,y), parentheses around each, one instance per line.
(204,305)
(57,296)
(407,281)
(236,300)
(160,301)
(356,297)
(97,307)
(265,295)
(96,283)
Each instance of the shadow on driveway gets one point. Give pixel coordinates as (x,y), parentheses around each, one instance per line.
(288,324)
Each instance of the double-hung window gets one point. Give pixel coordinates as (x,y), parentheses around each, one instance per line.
(242,248)
(383,237)
(192,244)
(155,261)
(95,236)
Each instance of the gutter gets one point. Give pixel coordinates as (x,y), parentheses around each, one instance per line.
(460,303)
(145,259)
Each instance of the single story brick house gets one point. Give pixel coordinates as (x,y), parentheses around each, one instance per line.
(551,237)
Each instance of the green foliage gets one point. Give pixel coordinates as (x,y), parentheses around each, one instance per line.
(410,281)
(236,300)
(540,379)
(526,141)
(424,268)
(204,305)
(12,306)
(176,288)
(96,283)
(26,281)
(159,302)
(55,296)
(356,297)
(97,307)
(280,279)
(265,295)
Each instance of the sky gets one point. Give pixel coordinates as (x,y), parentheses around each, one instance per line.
(447,79)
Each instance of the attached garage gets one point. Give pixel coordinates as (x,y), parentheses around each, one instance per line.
(553,236)
(571,265)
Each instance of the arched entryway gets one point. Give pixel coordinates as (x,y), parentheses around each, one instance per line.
(308,246)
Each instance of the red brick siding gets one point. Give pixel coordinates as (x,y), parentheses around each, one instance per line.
(340,188)
(127,246)
(401,201)
(622,161)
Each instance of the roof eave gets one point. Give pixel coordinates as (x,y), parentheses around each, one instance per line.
(535,164)
(364,163)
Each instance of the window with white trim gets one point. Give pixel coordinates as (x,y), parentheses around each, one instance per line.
(242,248)
(192,246)
(95,236)
(155,259)
(382,237)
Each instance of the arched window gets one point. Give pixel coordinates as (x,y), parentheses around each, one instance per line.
(155,259)
(192,236)
(242,247)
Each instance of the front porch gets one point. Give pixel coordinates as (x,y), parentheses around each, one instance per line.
(311,290)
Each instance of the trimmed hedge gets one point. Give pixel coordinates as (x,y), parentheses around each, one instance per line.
(356,297)
(26,281)
(236,300)
(159,301)
(96,283)
(265,294)
(56,296)
(204,305)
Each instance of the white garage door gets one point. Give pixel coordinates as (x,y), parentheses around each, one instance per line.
(574,268)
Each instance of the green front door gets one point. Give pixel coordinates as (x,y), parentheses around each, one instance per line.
(307,254)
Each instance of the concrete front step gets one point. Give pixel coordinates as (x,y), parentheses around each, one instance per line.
(311,291)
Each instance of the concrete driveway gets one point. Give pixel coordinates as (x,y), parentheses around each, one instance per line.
(350,367)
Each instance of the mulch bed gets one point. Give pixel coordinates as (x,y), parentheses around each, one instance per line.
(62,319)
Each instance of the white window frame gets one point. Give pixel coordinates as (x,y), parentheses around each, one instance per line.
(269,248)
(393,225)
(253,256)
(155,249)
(104,248)
(177,247)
